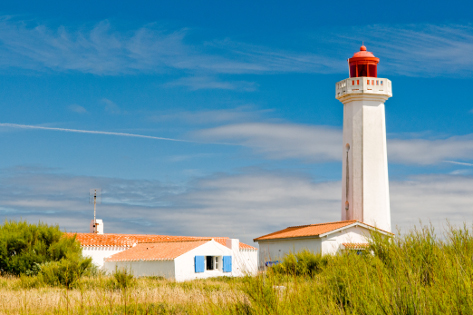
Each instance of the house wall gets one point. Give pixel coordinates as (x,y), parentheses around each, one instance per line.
(244,261)
(98,253)
(331,244)
(273,250)
(159,268)
(185,264)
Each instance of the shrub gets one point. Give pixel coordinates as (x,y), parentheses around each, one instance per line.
(303,263)
(65,272)
(24,247)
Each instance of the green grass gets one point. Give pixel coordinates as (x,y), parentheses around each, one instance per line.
(415,273)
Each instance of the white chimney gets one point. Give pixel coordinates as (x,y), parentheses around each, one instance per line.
(99,229)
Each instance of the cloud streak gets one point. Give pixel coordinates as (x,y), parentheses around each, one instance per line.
(96,132)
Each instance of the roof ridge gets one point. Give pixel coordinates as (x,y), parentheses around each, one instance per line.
(177,241)
(317,224)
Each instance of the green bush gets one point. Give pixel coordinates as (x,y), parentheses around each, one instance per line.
(24,247)
(65,272)
(304,263)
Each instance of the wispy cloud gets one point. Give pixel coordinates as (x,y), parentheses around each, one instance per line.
(281,141)
(419,50)
(77,109)
(459,163)
(321,143)
(97,132)
(426,151)
(218,116)
(104,51)
(111,107)
(201,83)
(244,205)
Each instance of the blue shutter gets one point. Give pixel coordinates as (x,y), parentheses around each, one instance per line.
(227,263)
(199,262)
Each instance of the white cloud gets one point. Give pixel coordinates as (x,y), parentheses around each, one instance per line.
(245,205)
(425,152)
(418,50)
(97,132)
(104,51)
(240,113)
(422,49)
(320,143)
(282,141)
(200,83)
(111,107)
(77,109)
(434,198)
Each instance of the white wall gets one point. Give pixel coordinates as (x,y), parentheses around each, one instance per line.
(244,261)
(331,244)
(185,264)
(273,250)
(365,184)
(160,268)
(98,253)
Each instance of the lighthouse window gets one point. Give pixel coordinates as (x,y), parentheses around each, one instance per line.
(352,71)
(352,82)
(377,82)
(362,70)
(368,82)
(381,82)
(372,71)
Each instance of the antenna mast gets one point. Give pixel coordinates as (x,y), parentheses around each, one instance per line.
(95,194)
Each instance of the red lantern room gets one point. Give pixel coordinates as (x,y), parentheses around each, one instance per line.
(363,64)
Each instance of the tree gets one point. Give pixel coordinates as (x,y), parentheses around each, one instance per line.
(25,248)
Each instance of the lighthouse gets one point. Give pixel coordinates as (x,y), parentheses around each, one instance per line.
(365,185)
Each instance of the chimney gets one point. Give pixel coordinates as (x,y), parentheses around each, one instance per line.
(99,226)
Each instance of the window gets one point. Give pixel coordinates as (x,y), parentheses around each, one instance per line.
(216,262)
(209,263)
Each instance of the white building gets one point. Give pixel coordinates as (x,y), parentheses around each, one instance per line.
(365,185)
(185,260)
(169,256)
(325,238)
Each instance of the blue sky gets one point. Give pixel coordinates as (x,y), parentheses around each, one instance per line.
(217,118)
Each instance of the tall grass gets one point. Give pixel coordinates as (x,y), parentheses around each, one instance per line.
(415,273)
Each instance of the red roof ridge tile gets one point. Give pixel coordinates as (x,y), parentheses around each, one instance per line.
(312,230)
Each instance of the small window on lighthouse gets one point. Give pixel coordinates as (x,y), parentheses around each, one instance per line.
(362,70)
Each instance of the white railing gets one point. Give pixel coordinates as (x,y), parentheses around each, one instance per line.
(363,85)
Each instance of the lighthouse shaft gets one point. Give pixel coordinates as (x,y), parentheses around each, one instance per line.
(365,185)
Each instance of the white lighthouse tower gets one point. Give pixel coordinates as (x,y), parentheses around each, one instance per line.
(365,186)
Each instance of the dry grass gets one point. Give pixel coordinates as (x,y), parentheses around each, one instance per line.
(96,296)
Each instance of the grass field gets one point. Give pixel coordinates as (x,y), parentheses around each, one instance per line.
(417,273)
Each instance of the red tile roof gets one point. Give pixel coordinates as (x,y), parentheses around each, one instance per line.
(156,251)
(128,240)
(310,230)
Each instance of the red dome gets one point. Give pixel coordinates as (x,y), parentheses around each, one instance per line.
(363,64)
(363,53)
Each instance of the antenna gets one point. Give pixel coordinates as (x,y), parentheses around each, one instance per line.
(95,197)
